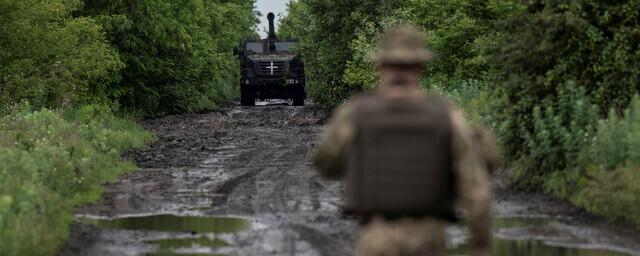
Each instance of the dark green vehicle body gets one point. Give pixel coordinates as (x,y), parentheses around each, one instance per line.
(270,70)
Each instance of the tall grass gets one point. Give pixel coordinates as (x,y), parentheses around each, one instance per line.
(52,161)
(607,176)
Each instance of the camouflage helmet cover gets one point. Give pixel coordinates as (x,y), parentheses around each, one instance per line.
(402,44)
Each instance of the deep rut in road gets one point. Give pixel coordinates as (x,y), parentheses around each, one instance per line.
(237,181)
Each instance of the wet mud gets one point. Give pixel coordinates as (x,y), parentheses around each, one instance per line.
(238,181)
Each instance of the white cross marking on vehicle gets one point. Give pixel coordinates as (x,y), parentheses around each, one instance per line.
(272,67)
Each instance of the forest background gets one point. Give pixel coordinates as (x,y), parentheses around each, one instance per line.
(75,74)
(556,81)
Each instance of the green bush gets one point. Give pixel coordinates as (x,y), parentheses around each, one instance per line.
(469,94)
(325,31)
(457,31)
(178,54)
(606,179)
(51,162)
(561,127)
(52,59)
(337,38)
(613,194)
(157,57)
(617,139)
(590,43)
(33,220)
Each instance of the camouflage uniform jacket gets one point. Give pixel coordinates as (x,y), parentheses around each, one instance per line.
(473,185)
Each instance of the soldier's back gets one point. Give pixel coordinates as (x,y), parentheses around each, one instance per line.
(400,162)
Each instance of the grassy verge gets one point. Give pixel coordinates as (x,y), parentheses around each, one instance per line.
(602,173)
(606,177)
(52,161)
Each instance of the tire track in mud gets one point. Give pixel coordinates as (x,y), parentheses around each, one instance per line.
(237,161)
(253,163)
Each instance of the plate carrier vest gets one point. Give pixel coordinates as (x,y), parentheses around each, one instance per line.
(401,162)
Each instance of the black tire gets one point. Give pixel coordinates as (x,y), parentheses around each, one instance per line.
(298,97)
(247,97)
(298,101)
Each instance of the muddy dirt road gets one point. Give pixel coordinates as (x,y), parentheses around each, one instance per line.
(238,181)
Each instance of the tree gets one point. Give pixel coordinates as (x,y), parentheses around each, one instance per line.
(52,59)
(178,54)
(325,31)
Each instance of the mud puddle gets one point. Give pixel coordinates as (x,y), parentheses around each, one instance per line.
(193,225)
(177,235)
(205,235)
(539,237)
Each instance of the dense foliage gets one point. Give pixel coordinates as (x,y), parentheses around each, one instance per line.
(340,62)
(52,59)
(153,57)
(325,30)
(591,44)
(607,175)
(541,73)
(49,163)
(178,54)
(71,64)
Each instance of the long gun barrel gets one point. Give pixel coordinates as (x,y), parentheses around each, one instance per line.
(272,27)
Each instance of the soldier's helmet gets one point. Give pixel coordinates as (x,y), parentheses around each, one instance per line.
(402,44)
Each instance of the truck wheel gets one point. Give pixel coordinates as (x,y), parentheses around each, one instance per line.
(298,100)
(247,97)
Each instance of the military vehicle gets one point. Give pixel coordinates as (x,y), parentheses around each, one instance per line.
(270,70)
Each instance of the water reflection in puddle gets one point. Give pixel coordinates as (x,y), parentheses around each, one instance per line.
(205,235)
(508,247)
(204,231)
(169,244)
(184,254)
(172,223)
(502,247)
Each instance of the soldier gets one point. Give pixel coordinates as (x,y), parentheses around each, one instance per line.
(407,158)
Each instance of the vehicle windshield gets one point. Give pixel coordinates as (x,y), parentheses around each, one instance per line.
(255,47)
(285,46)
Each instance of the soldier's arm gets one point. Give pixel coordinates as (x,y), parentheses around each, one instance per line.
(473,186)
(329,156)
(486,148)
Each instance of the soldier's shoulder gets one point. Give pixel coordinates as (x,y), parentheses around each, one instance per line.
(346,109)
(364,96)
(439,99)
(438,103)
(360,99)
